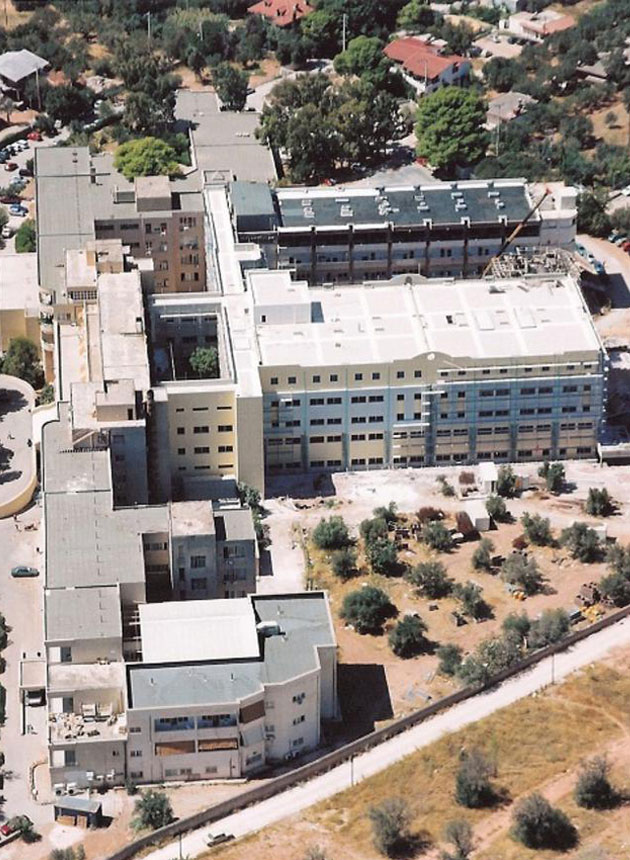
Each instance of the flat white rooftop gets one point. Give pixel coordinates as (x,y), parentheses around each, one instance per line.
(18,282)
(198,630)
(465,319)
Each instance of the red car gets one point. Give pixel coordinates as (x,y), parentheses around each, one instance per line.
(10,165)
(10,198)
(33,135)
(625,246)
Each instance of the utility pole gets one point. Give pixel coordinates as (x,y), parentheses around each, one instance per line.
(149,27)
(343,31)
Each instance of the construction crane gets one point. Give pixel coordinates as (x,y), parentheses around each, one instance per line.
(516,231)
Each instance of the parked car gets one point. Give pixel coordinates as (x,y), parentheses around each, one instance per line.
(626,191)
(6,232)
(34,135)
(9,198)
(218,839)
(23,570)
(10,165)
(18,209)
(24,171)
(625,246)
(581,250)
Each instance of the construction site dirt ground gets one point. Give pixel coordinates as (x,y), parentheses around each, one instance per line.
(536,744)
(375,685)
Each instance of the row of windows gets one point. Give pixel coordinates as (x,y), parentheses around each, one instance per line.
(486,371)
(527,392)
(334,377)
(205,428)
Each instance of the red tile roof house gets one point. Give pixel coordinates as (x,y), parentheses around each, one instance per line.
(424,67)
(281,13)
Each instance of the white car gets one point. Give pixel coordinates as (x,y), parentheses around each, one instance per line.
(626,191)
(6,232)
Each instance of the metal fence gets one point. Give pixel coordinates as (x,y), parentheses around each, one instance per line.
(338,756)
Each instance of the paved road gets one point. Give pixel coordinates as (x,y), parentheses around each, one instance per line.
(297,799)
(21,601)
(257,99)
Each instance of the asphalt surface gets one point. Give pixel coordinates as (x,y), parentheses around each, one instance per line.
(297,799)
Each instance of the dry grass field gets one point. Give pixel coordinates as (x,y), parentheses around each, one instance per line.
(536,744)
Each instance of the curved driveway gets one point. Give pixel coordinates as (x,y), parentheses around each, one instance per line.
(339,778)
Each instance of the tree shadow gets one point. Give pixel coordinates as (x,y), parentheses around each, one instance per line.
(7,477)
(14,402)
(412,845)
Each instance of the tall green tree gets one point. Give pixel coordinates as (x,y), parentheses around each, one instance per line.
(152,810)
(450,128)
(21,360)
(231,85)
(146,156)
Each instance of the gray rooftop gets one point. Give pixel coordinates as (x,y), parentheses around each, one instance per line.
(64,212)
(17,65)
(251,198)
(481,202)
(305,624)
(225,141)
(83,613)
(73,190)
(89,543)
(235,524)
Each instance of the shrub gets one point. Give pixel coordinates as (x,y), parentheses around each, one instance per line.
(437,536)
(517,626)
(593,789)
(482,556)
(26,237)
(497,509)
(618,557)
(459,833)
(599,503)
(407,638)
(472,603)
(373,530)
(522,572)
(554,475)
(473,788)
(390,826)
(332,533)
(450,657)
(428,514)
(537,529)
(367,609)
(344,562)
(382,556)
(430,579)
(447,490)
(466,479)
(506,482)
(552,626)
(152,810)
(582,542)
(131,787)
(493,655)
(386,512)
(21,360)
(616,588)
(537,824)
